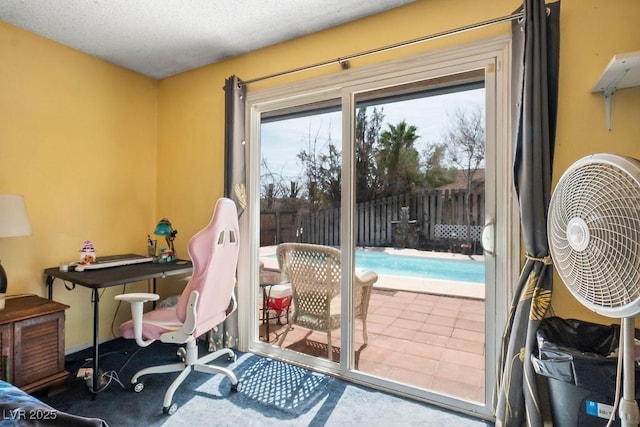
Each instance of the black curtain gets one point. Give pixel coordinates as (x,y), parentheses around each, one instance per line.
(234,143)
(535,91)
(226,334)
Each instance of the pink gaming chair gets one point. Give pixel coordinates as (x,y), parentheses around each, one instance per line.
(202,306)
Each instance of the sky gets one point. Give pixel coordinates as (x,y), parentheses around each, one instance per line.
(281,141)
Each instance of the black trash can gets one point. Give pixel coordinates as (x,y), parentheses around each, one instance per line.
(578,360)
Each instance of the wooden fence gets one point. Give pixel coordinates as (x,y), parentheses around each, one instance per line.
(432,218)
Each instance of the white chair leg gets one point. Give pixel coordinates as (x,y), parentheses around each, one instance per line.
(216,354)
(214,370)
(162,369)
(168,396)
(189,354)
(202,365)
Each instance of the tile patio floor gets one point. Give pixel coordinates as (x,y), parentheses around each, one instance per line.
(429,341)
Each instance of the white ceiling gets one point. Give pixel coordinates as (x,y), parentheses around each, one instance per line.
(160,38)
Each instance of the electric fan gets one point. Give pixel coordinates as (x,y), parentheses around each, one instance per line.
(594,239)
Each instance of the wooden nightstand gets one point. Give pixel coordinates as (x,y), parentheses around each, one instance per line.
(32,343)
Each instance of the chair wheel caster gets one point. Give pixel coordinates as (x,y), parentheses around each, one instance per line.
(232,358)
(182,354)
(138,387)
(236,387)
(170,410)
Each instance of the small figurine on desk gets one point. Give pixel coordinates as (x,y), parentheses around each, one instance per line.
(87,253)
(165,255)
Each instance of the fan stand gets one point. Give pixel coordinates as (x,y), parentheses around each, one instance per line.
(628,411)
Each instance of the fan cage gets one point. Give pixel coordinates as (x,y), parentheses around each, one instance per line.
(604,192)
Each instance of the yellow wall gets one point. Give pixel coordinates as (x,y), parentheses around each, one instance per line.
(78,140)
(101,153)
(591,33)
(191,104)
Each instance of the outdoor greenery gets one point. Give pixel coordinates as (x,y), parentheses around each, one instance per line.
(465,143)
(386,160)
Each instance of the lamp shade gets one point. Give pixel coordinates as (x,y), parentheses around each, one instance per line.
(163,228)
(14,220)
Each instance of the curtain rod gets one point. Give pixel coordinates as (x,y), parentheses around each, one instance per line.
(344,61)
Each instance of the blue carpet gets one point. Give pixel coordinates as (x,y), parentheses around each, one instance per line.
(273,393)
(278,385)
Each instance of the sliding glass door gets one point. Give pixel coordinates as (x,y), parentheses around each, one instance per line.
(419,188)
(300,190)
(396,170)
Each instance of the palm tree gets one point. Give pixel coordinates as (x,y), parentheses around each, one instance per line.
(397,158)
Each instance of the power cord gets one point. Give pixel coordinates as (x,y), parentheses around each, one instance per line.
(129,359)
(104,378)
(104,381)
(619,368)
(108,377)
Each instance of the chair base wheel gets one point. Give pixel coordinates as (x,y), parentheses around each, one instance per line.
(170,410)
(236,387)
(138,387)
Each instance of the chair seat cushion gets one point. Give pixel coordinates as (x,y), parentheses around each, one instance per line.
(279,297)
(154,324)
(279,291)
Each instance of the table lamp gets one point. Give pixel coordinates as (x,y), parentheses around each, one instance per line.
(165,229)
(14,222)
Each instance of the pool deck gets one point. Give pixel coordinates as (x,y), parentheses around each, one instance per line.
(411,284)
(425,333)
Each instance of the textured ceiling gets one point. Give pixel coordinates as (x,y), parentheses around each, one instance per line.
(160,38)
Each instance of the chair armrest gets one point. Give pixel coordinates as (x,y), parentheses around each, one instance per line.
(137,301)
(367,278)
(138,297)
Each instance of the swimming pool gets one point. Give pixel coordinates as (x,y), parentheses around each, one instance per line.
(420,266)
(424,267)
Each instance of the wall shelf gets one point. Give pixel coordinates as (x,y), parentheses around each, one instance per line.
(623,71)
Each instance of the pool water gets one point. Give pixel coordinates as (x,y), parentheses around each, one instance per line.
(385,263)
(419,266)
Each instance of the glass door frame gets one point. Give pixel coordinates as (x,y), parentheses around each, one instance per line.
(494,56)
